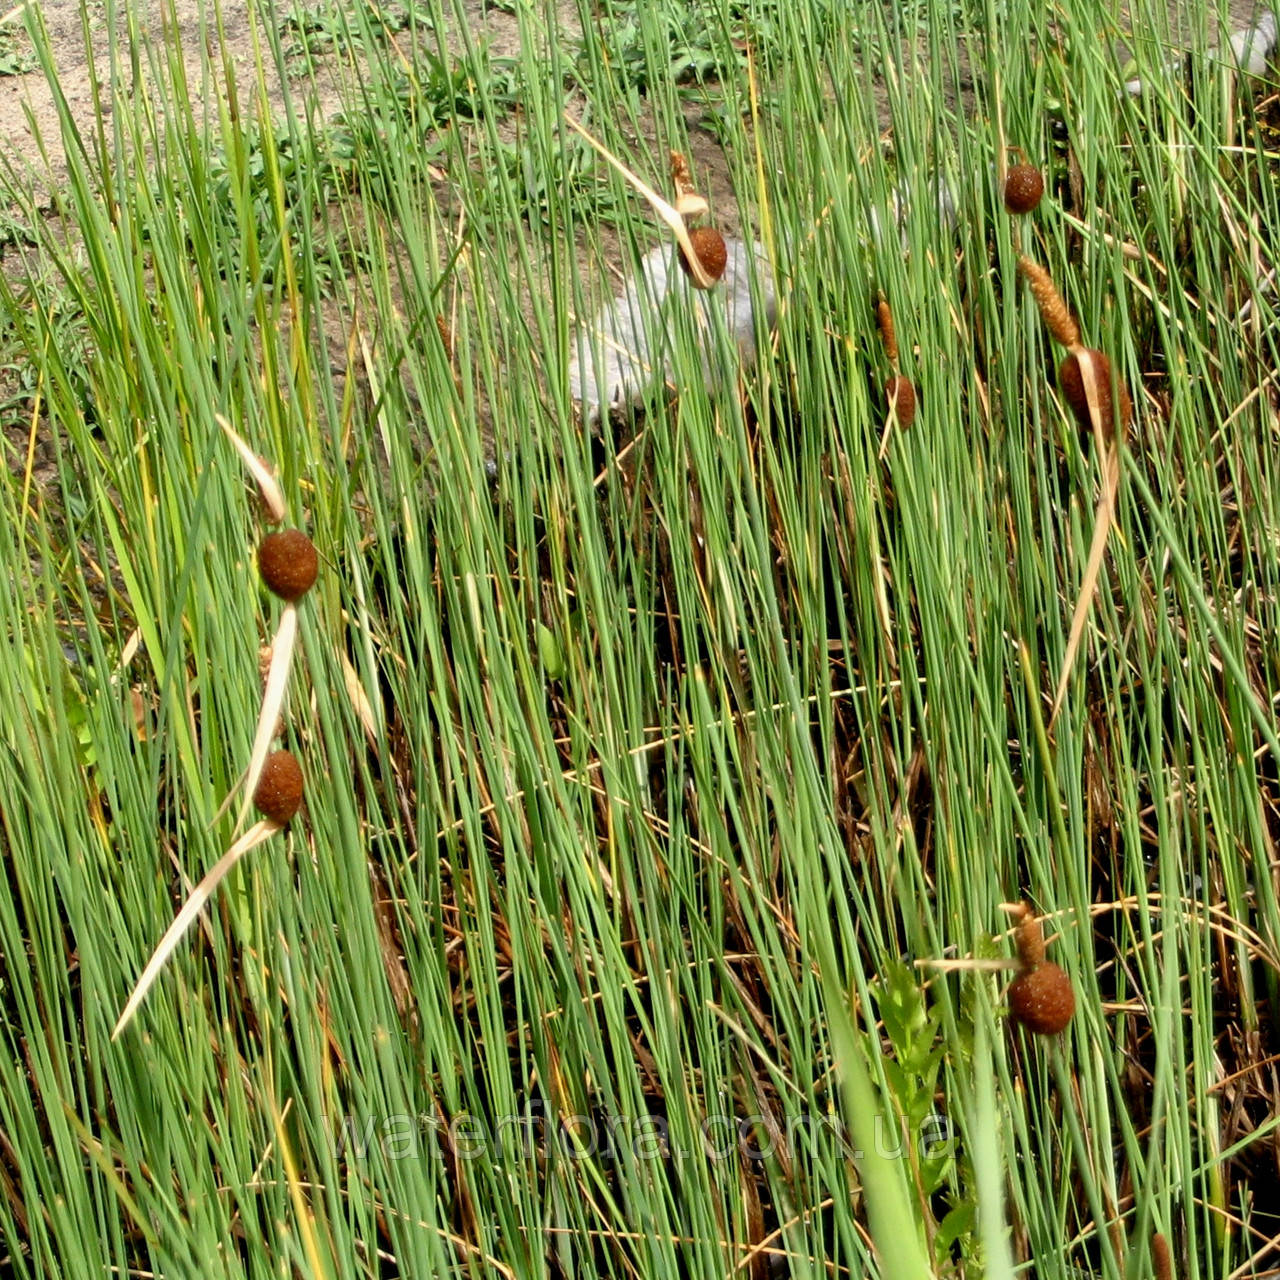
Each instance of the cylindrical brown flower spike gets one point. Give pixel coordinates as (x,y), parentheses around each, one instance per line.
(709,245)
(884,317)
(1161,1257)
(288,563)
(1040,997)
(1029,938)
(1053,311)
(279,790)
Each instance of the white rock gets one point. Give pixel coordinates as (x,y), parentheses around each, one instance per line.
(613,365)
(1251,49)
(1248,50)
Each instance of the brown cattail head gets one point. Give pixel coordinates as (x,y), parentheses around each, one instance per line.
(1161,1257)
(1040,997)
(279,790)
(446,335)
(1023,187)
(709,245)
(884,315)
(901,394)
(1053,311)
(288,563)
(1042,1000)
(1073,390)
(1029,937)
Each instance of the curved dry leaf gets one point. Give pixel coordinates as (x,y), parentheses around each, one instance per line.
(268,487)
(186,917)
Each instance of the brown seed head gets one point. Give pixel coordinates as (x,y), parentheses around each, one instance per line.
(1053,311)
(279,790)
(709,245)
(1042,999)
(288,563)
(1023,187)
(1073,391)
(901,394)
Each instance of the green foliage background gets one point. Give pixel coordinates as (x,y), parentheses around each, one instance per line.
(641,770)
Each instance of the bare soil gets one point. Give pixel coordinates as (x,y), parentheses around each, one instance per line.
(81,41)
